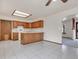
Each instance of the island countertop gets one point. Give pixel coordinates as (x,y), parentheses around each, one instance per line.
(28,30)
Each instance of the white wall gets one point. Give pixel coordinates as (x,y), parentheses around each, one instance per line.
(53,25)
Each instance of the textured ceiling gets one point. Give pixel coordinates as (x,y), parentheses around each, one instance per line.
(35,7)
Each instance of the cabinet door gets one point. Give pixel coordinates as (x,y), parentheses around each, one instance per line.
(15,36)
(15,24)
(27,25)
(5,30)
(24,24)
(26,38)
(31,37)
(38,36)
(37,24)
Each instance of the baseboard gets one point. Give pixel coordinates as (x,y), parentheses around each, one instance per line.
(67,38)
(54,42)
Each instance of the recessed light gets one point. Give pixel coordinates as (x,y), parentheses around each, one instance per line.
(20,14)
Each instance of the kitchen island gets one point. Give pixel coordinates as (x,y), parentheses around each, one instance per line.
(26,36)
(31,37)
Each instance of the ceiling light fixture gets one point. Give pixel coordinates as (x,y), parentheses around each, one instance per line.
(20,14)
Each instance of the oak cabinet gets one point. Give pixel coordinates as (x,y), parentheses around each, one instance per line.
(37,24)
(16,24)
(15,36)
(5,30)
(31,37)
(24,24)
(7,26)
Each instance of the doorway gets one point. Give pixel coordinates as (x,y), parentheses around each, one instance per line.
(70,32)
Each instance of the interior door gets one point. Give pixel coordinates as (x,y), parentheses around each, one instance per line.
(37,24)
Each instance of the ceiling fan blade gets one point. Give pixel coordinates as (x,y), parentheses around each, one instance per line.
(49,1)
(64,1)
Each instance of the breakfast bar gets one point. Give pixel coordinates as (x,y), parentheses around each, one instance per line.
(26,36)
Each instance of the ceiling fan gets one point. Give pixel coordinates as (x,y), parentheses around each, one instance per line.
(49,1)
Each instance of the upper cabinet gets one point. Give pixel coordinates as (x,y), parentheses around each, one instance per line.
(27,25)
(24,24)
(37,24)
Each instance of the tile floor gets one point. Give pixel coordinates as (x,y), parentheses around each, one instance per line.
(70,42)
(39,50)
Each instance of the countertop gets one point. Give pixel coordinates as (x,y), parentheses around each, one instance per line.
(38,30)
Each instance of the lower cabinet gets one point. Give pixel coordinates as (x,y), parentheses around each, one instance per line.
(15,36)
(7,36)
(31,37)
(5,30)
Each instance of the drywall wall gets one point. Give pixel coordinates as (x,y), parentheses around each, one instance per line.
(53,25)
(52,28)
